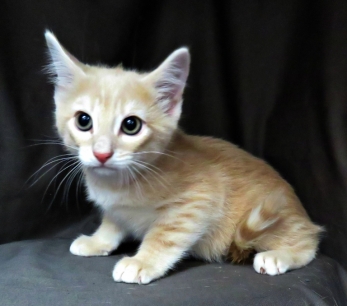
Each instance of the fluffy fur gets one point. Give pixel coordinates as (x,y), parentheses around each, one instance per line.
(176,193)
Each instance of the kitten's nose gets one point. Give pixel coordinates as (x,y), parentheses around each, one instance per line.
(103,157)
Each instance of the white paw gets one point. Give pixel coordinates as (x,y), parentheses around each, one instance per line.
(132,270)
(271,262)
(89,246)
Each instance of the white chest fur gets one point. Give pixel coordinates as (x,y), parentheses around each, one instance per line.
(134,220)
(127,210)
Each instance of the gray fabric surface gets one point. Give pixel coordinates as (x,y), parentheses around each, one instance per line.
(43,272)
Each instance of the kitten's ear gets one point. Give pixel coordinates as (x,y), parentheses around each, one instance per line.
(169,79)
(64,67)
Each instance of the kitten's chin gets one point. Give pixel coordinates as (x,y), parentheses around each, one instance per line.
(104,171)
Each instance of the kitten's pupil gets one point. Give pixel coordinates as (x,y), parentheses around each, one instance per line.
(84,122)
(131,125)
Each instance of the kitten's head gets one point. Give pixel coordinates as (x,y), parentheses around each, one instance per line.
(113,117)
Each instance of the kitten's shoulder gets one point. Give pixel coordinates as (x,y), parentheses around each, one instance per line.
(212,148)
(203,143)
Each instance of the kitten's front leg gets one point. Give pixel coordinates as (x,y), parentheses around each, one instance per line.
(105,240)
(163,245)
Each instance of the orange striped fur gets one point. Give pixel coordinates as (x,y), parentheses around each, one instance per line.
(178,194)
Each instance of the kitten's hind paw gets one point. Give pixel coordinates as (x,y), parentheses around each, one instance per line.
(132,270)
(90,246)
(272,262)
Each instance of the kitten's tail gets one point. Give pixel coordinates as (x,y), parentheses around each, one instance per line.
(273,224)
(255,224)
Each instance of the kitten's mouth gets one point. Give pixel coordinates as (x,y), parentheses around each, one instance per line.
(102,169)
(107,170)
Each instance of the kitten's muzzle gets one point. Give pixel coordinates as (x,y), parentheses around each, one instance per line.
(103,157)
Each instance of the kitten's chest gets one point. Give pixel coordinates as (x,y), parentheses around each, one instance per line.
(109,199)
(130,211)
(134,220)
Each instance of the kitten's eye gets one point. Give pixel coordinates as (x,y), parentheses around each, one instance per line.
(83,122)
(131,125)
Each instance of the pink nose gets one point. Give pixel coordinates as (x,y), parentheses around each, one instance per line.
(102,157)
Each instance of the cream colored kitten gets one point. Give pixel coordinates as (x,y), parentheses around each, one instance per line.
(176,193)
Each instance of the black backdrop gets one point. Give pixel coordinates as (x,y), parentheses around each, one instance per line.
(271,76)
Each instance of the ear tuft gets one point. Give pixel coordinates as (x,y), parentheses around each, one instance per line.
(170,79)
(63,67)
(174,73)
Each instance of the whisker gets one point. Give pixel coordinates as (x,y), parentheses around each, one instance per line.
(57,162)
(65,154)
(60,184)
(154,174)
(150,165)
(59,172)
(65,177)
(155,169)
(70,181)
(72,176)
(139,172)
(160,153)
(79,182)
(52,143)
(128,179)
(136,182)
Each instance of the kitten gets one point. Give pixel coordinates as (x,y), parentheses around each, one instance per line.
(178,194)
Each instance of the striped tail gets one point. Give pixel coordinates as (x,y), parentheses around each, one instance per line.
(255,225)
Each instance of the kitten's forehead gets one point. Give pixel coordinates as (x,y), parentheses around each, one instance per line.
(113,90)
(118,85)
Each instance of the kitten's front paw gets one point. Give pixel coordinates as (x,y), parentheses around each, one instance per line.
(271,262)
(132,270)
(90,246)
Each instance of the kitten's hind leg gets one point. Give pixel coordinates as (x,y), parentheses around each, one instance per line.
(105,240)
(280,261)
(280,230)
